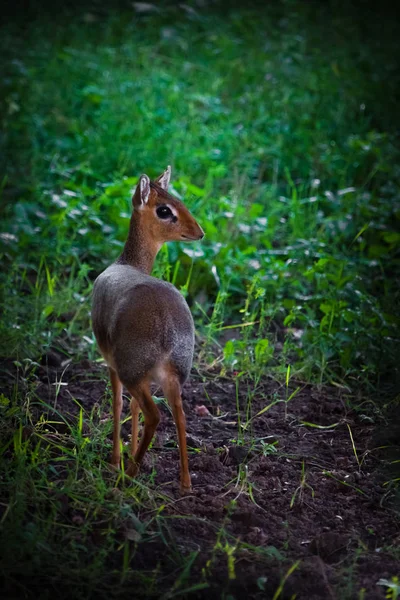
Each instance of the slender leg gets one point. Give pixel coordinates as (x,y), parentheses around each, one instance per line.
(117,408)
(141,393)
(135,424)
(172,390)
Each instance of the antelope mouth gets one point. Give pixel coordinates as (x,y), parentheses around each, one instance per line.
(191,239)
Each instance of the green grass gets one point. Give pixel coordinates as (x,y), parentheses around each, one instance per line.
(280,124)
(62,495)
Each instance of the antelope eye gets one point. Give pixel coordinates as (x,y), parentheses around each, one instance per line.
(164,212)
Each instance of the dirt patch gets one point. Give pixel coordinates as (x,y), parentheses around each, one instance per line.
(299,486)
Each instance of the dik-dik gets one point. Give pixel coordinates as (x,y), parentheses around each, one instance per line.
(143,326)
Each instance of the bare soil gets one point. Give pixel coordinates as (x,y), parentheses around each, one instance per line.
(319,499)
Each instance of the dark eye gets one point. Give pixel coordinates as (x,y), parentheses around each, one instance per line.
(164,212)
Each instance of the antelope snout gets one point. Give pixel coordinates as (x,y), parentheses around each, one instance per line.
(199,233)
(193,233)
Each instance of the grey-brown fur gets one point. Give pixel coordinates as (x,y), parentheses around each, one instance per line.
(148,324)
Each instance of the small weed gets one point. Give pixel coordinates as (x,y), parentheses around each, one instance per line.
(223,545)
(244,484)
(268,449)
(300,490)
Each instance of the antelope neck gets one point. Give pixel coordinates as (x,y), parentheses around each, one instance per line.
(140,251)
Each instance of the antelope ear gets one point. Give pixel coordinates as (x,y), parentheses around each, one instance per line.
(163,180)
(142,192)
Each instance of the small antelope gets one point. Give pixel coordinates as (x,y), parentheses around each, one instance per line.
(143,325)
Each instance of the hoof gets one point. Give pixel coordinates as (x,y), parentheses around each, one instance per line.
(185,490)
(132,470)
